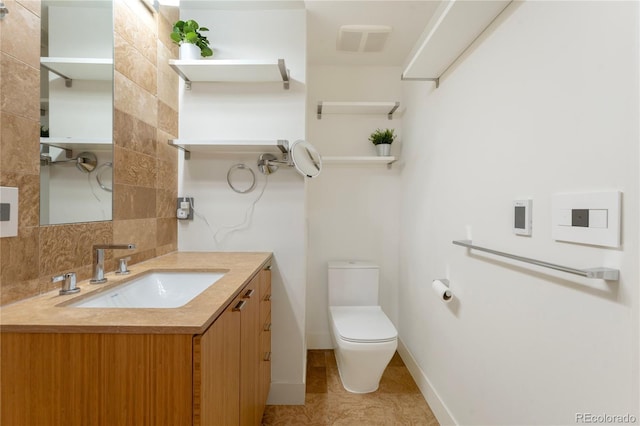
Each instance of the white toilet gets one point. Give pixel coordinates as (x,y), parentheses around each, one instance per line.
(364,339)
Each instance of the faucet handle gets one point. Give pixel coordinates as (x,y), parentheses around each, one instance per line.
(69,283)
(122,266)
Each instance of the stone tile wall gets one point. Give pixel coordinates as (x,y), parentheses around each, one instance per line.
(145,167)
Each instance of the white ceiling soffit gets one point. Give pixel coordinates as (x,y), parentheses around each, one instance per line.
(242,4)
(325,17)
(453,27)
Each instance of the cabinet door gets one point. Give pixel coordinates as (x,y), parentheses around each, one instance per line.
(216,372)
(250,354)
(265,364)
(265,338)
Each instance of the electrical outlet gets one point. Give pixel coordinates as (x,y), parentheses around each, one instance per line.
(184,208)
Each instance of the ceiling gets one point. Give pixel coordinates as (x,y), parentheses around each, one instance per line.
(408,20)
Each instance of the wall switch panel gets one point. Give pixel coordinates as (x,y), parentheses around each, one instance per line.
(8,212)
(587,218)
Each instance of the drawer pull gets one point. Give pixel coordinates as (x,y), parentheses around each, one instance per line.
(267,298)
(267,327)
(267,356)
(239,306)
(249,293)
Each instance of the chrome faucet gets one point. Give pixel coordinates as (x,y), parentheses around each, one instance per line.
(98,264)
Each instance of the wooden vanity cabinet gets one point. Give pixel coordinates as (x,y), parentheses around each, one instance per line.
(229,372)
(215,378)
(216,371)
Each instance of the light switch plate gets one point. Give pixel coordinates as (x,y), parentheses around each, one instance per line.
(587,218)
(9,197)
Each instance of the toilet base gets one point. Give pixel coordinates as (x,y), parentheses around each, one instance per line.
(361,365)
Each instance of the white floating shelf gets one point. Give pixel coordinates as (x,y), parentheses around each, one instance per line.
(278,146)
(358,160)
(231,70)
(377,108)
(78,144)
(453,28)
(80,68)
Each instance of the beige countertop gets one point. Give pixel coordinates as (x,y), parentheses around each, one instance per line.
(44,313)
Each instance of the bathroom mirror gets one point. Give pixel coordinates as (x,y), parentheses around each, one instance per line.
(76,111)
(305,158)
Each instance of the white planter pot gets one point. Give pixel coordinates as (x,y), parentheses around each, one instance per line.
(189,51)
(383,149)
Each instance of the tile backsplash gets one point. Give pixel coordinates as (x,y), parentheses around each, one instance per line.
(145,167)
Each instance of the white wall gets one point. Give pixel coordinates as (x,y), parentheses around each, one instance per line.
(353,210)
(253,111)
(548,103)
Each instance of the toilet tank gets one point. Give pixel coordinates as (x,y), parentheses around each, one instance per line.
(353,283)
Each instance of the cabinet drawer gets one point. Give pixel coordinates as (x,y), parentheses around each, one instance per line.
(265,295)
(265,284)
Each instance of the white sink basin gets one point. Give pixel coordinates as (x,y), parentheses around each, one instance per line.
(154,290)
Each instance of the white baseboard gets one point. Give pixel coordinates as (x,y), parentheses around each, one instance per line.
(286,394)
(438,406)
(319,341)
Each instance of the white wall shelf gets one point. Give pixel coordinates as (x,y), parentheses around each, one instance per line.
(376,108)
(275,146)
(79,68)
(78,144)
(231,70)
(454,27)
(359,160)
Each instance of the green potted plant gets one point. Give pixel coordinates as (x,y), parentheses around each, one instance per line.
(383,139)
(187,34)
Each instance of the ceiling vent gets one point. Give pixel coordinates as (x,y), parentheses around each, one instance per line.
(362,38)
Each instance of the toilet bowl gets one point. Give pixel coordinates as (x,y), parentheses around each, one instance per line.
(363,337)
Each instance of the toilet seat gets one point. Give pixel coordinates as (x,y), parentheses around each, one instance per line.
(363,324)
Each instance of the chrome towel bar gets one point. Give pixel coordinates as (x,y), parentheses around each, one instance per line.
(601,273)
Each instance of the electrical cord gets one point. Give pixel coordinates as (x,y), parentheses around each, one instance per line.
(246,222)
(98,199)
(99,170)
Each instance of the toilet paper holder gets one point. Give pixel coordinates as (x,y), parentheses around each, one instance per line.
(441,287)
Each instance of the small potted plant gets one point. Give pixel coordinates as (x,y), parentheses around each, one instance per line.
(192,43)
(383,139)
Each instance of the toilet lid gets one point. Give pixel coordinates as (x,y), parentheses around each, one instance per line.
(362,324)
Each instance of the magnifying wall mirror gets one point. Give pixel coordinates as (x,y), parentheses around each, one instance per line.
(76,111)
(305,158)
(301,155)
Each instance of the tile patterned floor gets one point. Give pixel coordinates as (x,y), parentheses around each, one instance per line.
(397,401)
